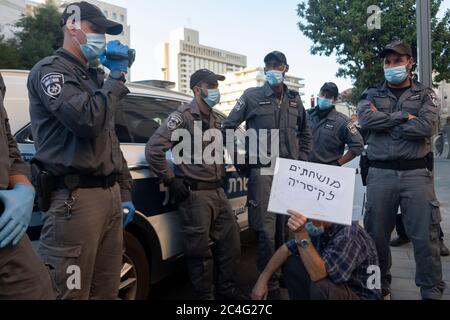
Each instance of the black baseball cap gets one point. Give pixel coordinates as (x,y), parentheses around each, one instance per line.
(331,88)
(205,75)
(275,55)
(397,46)
(91,13)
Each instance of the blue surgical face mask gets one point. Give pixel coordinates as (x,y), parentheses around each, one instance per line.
(274,77)
(312,230)
(396,75)
(324,103)
(94,46)
(212,98)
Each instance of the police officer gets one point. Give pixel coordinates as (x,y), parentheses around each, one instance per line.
(196,186)
(332,130)
(78,163)
(22,274)
(272,106)
(401,117)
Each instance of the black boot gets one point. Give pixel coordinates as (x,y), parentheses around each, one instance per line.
(235,294)
(399,241)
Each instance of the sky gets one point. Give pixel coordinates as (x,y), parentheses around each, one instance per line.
(249,27)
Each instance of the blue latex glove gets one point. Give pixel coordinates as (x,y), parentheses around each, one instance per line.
(115,56)
(15,219)
(128,212)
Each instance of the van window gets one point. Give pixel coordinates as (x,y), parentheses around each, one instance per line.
(137,118)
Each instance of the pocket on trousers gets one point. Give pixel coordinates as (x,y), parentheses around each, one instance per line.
(436,218)
(62,262)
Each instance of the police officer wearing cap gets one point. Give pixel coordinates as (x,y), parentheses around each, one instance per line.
(272,106)
(332,131)
(23,276)
(401,117)
(196,188)
(81,176)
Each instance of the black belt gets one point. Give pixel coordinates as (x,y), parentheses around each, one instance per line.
(196,185)
(400,165)
(75,181)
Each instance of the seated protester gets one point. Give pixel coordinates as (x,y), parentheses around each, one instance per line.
(324,261)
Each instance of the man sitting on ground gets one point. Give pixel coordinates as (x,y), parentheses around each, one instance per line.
(324,261)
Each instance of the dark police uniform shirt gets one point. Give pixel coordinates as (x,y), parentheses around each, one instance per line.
(72,117)
(390,136)
(162,141)
(261,109)
(11,162)
(331,131)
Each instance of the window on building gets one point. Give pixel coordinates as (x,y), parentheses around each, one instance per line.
(114,15)
(106,13)
(122,18)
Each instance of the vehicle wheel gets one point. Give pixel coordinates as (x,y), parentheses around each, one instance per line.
(135,274)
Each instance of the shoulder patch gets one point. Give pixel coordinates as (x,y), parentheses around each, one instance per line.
(52,84)
(352,128)
(240,103)
(174,121)
(434,99)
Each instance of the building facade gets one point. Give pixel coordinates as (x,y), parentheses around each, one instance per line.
(179,58)
(12,10)
(10,13)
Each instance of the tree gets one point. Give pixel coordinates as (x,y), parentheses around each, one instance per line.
(341,27)
(40,34)
(9,54)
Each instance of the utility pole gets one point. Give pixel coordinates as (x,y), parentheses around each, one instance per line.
(423,13)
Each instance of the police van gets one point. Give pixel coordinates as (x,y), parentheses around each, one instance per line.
(152,241)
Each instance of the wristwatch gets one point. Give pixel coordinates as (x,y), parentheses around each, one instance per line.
(304,243)
(117,75)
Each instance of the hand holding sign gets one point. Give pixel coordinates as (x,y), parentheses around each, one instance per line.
(321,192)
(296,222)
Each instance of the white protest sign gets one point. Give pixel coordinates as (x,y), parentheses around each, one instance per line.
(320,192)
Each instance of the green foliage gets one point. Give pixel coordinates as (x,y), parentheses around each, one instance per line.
(9,55)
(39,36)
(340,27)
